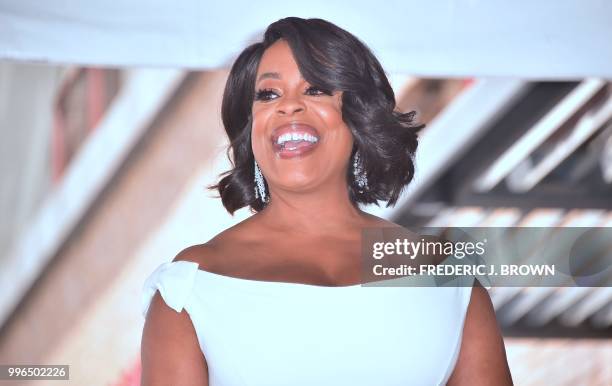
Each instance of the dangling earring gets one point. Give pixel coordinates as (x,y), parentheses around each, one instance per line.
(360,176)
(260,189)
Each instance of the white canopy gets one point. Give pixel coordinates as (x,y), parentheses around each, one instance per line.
(545,39)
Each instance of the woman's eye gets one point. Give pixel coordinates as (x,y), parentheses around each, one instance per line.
(264,95)
(312,90)
(269,94)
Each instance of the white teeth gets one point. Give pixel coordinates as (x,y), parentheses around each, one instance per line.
(295,137)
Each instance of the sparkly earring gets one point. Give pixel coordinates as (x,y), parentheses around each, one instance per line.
(360,176)
(260,189)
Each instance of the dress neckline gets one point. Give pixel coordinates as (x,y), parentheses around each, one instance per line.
(400,281)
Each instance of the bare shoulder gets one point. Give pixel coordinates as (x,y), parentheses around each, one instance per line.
(170,351)
(200,253)
(211,256)
(380,222)
(482,357)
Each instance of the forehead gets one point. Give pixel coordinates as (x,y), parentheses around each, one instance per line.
(277,61)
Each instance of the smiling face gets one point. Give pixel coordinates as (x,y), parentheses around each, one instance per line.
(298,136)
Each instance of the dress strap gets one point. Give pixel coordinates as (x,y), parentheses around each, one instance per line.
(174,280)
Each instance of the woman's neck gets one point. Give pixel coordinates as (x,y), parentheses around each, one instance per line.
(314,214)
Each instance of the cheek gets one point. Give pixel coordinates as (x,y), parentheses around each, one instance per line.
(331,113)
(338,129)
(260,116)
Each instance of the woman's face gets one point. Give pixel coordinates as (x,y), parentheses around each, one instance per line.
(298,136)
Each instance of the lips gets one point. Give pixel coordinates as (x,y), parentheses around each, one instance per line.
(294,149)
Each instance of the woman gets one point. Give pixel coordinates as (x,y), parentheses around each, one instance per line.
(275,299)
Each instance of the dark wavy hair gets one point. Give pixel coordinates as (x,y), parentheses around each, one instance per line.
(332,59)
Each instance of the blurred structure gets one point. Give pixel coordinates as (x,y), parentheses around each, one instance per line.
(537,157)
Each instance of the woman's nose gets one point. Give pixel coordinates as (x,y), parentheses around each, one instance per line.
(290,105)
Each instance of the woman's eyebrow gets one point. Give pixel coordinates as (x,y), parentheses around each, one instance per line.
(273,75)
(266,75)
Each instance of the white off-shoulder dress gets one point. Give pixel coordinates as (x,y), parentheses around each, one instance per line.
(269,333)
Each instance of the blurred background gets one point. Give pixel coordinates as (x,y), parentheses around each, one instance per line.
(110,131)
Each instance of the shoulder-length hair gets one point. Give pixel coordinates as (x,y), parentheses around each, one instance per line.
(332,59)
